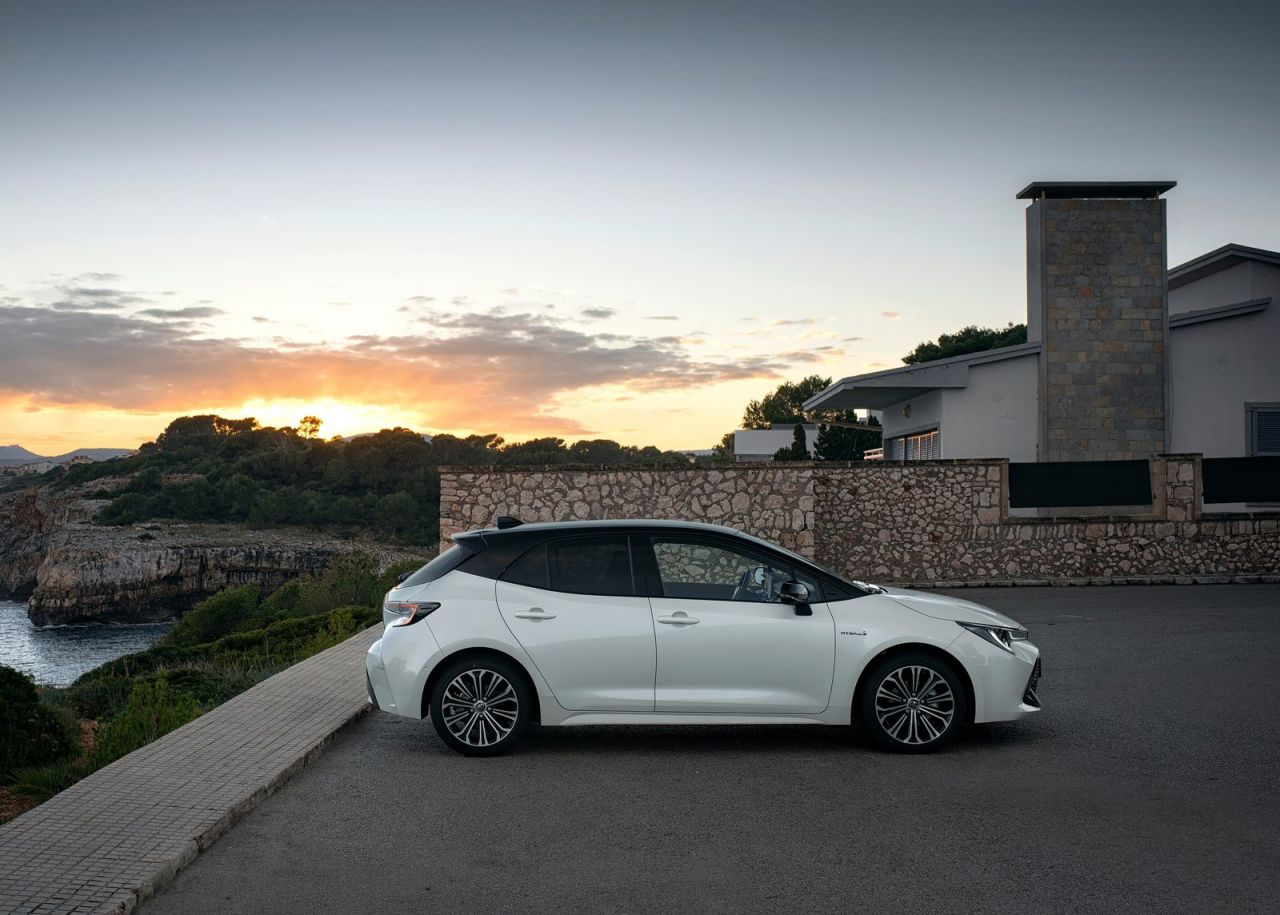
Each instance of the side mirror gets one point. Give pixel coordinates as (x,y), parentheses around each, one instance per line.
(402,576)
(796,594)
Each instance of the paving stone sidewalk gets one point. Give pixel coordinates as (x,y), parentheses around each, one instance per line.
(117,837)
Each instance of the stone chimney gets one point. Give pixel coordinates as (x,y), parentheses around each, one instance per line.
(1098,304)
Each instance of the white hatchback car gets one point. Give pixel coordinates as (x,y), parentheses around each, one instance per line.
(663,622)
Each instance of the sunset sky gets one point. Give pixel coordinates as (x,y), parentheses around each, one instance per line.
(575,219)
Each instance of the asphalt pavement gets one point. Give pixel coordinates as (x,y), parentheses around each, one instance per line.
(1148,784)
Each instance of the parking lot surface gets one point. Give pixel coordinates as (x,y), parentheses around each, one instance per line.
(1149,783)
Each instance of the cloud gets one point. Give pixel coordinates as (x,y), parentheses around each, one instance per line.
(182,314)
(97,277)
(258,319)
(598,312)
(516,365)
(460,300)
(784,322)
(851,339)
(662,318)
(890,315)
(421,299)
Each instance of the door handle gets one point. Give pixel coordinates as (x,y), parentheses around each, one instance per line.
(535,613)
(679,618)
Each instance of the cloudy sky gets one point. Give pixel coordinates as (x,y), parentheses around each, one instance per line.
(581,219)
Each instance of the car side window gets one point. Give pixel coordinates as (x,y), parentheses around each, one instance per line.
(530,569)
(702,570)
(595,565)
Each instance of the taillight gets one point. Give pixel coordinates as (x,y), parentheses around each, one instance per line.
(408,612)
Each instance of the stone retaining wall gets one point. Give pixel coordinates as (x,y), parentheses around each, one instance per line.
(924,523)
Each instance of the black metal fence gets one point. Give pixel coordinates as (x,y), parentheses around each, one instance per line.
(1247,479)
(1079,484)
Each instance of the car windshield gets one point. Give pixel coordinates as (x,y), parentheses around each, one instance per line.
(809,562)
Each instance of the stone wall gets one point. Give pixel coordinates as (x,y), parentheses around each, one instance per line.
(941,523)
(1098,301)
(770,500)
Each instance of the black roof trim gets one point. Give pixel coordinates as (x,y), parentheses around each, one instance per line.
(1222,311)
(1229,255)
(1079,190)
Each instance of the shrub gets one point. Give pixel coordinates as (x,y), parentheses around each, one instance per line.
(43,782)
(349,579)
(214,617)
(31,733)
(154,710)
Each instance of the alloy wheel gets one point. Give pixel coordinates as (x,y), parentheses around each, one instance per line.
(480,707)
(915,705)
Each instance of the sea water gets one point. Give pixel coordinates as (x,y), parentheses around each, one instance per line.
(56,655)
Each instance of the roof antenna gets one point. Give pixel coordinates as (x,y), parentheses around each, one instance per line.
(507,521)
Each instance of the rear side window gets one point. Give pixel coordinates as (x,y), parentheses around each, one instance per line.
(597,565)
(530,569)
(439,567)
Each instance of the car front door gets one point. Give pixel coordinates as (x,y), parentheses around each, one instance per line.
(573,605)
(726,643)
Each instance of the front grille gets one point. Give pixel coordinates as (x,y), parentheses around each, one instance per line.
(1029,697)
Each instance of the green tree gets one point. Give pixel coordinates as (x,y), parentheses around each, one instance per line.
(971,339)
(309,426)
(840,443)
(783,403)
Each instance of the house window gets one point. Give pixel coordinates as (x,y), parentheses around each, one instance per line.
(1264,429)
(923,446)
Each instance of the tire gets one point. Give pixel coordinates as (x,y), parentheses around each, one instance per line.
(913,703)
(480,706)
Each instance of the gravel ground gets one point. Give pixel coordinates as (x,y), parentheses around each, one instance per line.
(1148,784)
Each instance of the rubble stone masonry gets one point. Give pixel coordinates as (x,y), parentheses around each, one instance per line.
(940,523)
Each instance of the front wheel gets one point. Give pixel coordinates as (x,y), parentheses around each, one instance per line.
(480,706)
(913,703)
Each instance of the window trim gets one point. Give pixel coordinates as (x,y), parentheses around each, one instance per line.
(653,576)
(1250,412)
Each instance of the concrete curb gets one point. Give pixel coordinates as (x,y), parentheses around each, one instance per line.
(113,840)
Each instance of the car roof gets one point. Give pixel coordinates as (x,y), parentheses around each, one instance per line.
(536,527)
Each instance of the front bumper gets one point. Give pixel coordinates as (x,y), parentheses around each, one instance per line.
(1004,682)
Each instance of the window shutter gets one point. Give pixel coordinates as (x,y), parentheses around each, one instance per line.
(1266,430)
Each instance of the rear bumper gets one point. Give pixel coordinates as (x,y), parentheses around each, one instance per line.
(375,675)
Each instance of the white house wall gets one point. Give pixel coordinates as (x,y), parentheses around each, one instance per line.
(1235,284)
(926,414)
(996,415)
(1219,366)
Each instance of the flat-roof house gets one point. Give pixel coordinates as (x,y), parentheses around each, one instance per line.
(763,444)
(1124,358)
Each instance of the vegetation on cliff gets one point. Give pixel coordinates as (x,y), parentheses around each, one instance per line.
(209,468)
(222,647)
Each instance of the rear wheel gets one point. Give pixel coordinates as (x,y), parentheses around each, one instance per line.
(913,703)
(480,706)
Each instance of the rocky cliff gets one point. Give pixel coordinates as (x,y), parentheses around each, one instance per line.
(73,571)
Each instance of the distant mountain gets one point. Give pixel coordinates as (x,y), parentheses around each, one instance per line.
(13,455)
(16,454)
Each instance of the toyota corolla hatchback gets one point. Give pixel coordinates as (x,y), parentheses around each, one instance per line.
(661,622)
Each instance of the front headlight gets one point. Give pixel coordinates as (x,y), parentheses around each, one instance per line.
(999,636)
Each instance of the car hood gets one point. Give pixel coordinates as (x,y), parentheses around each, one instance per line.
(941,607)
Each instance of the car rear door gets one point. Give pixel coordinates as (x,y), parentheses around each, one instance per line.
(725,642)
(573,605)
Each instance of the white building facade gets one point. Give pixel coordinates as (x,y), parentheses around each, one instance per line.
(1124,358)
